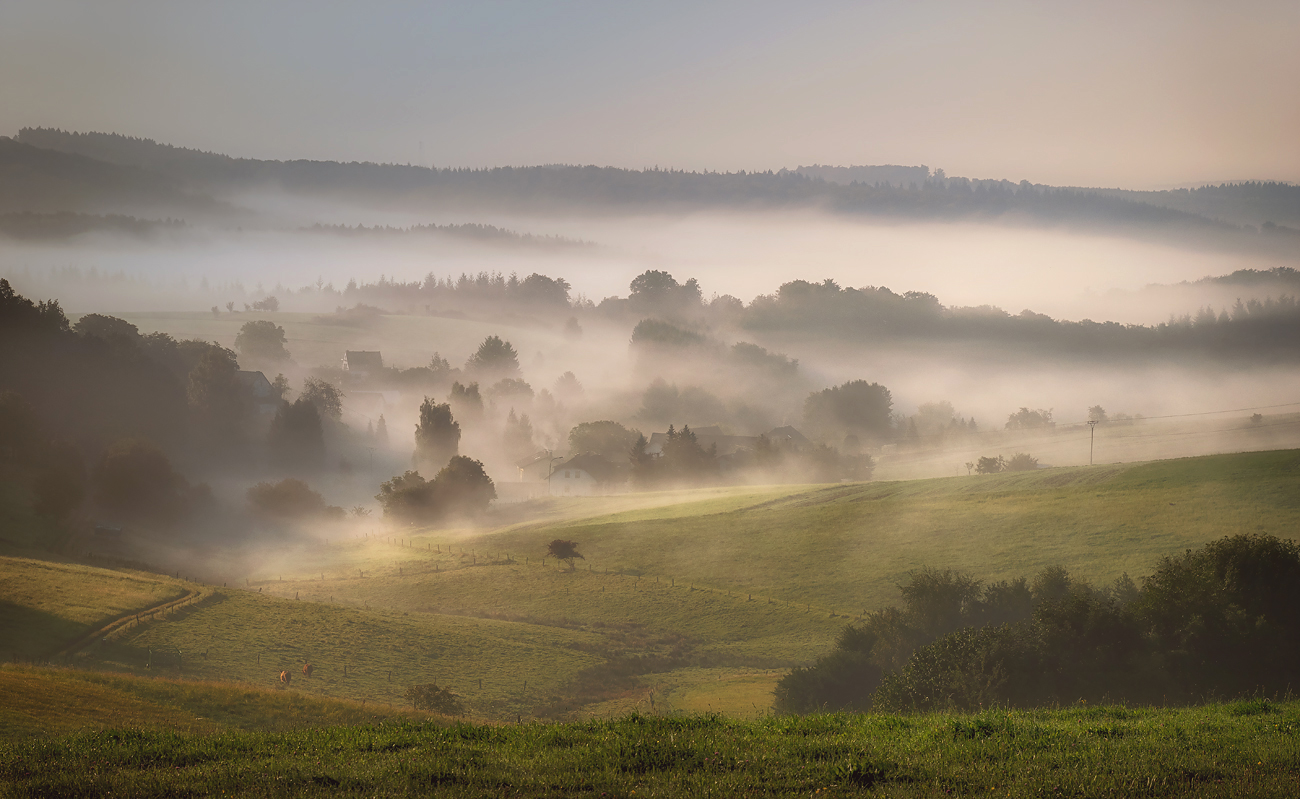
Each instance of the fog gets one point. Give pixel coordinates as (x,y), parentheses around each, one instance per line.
(1063,273)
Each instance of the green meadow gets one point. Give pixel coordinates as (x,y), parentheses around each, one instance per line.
(1247,748)
(687,602)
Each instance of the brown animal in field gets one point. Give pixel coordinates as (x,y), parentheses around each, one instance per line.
(285,676)
(306,669)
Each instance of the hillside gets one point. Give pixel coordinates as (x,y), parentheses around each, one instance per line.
(46,181)
(40,702)
(684,602)
(1216,222)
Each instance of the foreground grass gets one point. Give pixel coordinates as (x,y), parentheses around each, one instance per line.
(43,702)
(1242,749)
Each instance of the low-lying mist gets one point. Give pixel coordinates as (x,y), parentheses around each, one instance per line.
(1063,273)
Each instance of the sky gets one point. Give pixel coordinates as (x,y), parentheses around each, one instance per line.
(1139,95)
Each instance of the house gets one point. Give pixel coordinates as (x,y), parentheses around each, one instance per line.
(788,438)
(362,363)
(265,402)
(584,475)
(536,467)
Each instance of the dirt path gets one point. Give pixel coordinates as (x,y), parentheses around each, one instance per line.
(123,621)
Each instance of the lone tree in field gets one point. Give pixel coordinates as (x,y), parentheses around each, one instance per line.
(566,551)
(437,436)
(262,340)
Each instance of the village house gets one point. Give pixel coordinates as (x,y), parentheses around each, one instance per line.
(265,403)
(584,476)
(362,363)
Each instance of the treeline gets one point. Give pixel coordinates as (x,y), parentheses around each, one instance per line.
(468,230)
(38,227)
(1223,620)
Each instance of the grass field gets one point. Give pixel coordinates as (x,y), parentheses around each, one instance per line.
(1230,750)
(46,605)
(44,702)
(694,601)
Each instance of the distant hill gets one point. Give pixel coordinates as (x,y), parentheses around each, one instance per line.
(44,181)
(1227,216)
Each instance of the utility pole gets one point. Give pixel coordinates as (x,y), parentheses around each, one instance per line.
(1092,433)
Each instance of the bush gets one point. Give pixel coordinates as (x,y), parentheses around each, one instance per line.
(428,696)
(462,487)
(990,465)
(1021,462)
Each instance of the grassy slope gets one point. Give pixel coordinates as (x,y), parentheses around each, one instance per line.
(247,637)
(48,701)
(846,547)
(44,605)
(840,548)
(1243,749)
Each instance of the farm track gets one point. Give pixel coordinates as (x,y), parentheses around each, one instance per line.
(123,621)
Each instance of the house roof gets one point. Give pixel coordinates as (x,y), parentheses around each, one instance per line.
(363,359)
(595,465)
(789,435)
(256,383)
(524,463)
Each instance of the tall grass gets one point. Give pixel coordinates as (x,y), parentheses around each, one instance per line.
(1228,750)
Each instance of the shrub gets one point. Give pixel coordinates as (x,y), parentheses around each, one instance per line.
(428,696)
(1021,462)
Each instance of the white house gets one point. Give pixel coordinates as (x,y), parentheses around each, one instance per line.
(582,476)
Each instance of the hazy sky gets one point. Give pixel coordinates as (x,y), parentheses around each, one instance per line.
(1142,94)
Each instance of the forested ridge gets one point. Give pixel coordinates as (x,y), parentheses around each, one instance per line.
(1231,211)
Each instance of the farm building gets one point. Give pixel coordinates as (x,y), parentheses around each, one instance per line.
(584,476)
(362,363)
(264,400)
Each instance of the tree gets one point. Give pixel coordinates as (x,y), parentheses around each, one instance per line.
(567,387)
(988,465)
(325,396)
(60,484)
(462,487)
(1025,419)
(270,304)
(381,432)
(437,435)
(684,458)
(288,499)
(567,551)
(518,436)
(1096,414)
(607,438)
(262,340)
(296,436)
(656,291)
(136,480)
(642,462)
(280,387)
(572,330)
(856,406)
(1022,462)
(494,359)
(217,399)
(466,401)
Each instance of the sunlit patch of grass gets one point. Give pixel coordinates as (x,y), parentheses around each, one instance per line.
(44,605)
